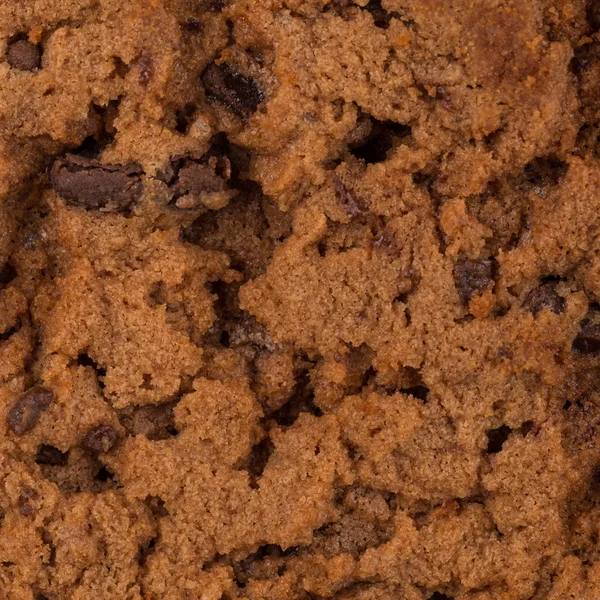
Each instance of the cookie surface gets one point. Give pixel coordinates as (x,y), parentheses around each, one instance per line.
(300,300)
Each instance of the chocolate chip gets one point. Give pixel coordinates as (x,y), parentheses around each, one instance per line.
(23,55)
(472,276)
(544,296)
(588,339)
(51,456)
(237,92)
(27,501)
(189,178)
(100,439)
(196,178)
(28,409)
(88,184)
(353,205)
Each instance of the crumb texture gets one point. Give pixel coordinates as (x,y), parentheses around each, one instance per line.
(299,300)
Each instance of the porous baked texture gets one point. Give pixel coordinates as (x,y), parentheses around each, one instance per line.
(299,299)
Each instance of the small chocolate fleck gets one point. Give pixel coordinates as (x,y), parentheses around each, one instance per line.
(24,56)
(472,276)
(28,409)
(386,242)
(580,63)
(145,66)
(239,93)
(353,205)
(445,98)
(248,331)
(27,501)
(544,296)
(192,25)
(100,439)
(86,183)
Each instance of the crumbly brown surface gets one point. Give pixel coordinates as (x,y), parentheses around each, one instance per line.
(299,299)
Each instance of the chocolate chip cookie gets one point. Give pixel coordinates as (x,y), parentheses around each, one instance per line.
(300,300)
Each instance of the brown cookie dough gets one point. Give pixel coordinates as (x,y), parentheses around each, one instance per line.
(300,299)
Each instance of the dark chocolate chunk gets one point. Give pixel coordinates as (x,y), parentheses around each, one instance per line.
(28,409)
(51,456)
(23,55)
(353,205)
(588,339)
(100,439)
(544,296)
(237,92)
(88,184)
(472,276)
